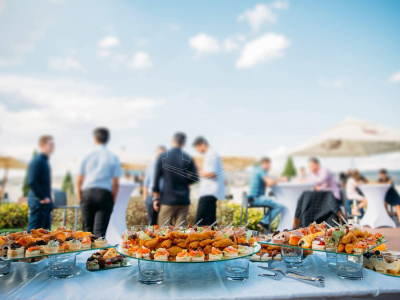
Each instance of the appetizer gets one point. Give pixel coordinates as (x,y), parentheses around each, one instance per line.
(100,242)
(51,247)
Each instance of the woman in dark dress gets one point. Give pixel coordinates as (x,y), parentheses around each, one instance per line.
(392,197)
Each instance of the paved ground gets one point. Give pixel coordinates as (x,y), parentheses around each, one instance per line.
(392,235)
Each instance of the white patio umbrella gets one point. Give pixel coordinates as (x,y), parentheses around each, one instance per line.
(6,163)
(352,137)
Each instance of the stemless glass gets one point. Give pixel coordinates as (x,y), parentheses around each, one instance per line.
(151,272)
(349,266)
(237,269)
(292,257)
(332,247)
(62,265)
(5,267)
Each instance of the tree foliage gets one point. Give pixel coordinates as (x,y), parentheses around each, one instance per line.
(290,169)
(68,184)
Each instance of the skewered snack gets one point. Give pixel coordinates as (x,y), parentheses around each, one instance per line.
(193,244)
(346,239)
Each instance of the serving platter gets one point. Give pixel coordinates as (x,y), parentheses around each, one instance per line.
(256,247)
(23,258)
(269,242)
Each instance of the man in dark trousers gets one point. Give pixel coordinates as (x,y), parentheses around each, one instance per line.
(39,182)
(212,182)
(178,172)
(97,185)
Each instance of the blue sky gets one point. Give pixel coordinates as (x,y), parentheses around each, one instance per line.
(264,75)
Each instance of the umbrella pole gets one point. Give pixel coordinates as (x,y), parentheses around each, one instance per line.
(3,184)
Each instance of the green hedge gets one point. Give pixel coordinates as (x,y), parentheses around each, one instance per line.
(13,215)
(16,216)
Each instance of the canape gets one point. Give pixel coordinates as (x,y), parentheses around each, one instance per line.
(51,247)
(215,254)
(74,245)
(161,254)
(15,250)
(100,242)
(183,256)
(86,243)
(32,251)
(92,264)
(231,252)
(197,255)
(143,252)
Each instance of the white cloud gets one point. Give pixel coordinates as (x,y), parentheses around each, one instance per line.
(331,84)
(259,15)
(280,4)
(233,43)
(66,104)
(109,42)
(265,48)
(395,78)
(103,54)
(141,60)
(65,64)
(204,44)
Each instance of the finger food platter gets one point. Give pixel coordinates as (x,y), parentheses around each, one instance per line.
(344,240)
(40,243)
(188,245)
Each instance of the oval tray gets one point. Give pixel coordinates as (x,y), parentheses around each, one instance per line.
(257,248)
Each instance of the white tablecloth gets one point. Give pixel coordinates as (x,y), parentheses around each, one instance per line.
(288,194)
(376,214)
(200,281)
(117,223)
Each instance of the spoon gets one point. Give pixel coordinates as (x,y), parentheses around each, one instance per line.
(197,224)
(177,226)
(166,222)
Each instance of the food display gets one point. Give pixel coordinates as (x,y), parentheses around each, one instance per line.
(41,242)
(385,262)
(267,253)
(200,244)
(107,258)
(318,237)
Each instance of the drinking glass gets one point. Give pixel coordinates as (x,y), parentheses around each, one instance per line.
(5,267)
(237,269)
(292,257)
(349,266)
(62,265)
(151,272)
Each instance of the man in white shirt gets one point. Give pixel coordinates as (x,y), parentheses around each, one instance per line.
(212,182)
(97,184)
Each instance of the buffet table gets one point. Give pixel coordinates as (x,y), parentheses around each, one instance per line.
(204,281)
(376,214)
(288,194)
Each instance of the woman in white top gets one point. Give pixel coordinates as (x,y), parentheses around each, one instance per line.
(354,179)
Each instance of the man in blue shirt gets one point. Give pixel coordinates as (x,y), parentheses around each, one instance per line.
(178,171)
(258,183)
(39,182)
(148,184)
(97,185)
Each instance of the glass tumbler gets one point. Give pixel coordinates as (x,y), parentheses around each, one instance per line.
(62,265)
(349,266)
(151,272)
(237,269)
(292,257)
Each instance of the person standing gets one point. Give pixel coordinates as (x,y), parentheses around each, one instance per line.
(212,183)
(259,181)
(178,172)
(148,184)
(39,182)
(97,184)
(322,178)
(353,195)
(392,197)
